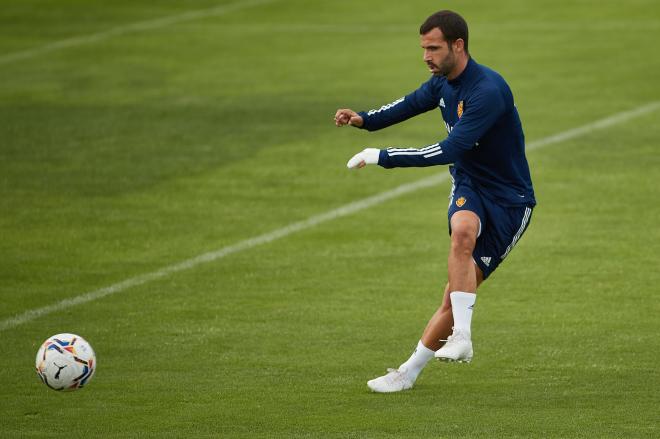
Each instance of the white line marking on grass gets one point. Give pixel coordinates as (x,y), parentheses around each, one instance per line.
(139,26)
(597,125)
(313,221)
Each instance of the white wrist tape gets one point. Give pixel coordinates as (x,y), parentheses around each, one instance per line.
(368,156)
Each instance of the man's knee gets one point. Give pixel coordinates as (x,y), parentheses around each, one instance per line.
(463,240)
(464,231)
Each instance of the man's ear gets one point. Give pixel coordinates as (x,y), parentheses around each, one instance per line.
(459,45)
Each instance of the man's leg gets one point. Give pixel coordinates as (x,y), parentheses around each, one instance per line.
(464,277)
(465,228)
(440,325)
(461,268)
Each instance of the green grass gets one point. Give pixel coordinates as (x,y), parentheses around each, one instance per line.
(121,156)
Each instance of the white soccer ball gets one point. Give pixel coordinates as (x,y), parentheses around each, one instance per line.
(65,362)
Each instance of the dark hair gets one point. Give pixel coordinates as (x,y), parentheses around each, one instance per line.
(452,25)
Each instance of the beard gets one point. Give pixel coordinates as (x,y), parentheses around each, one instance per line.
(445,66)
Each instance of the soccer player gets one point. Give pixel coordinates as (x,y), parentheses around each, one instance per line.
(491,199)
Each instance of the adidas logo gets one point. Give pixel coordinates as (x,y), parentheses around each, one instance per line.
(442,102)
(486,260)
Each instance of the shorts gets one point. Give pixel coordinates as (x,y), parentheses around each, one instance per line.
(500,228)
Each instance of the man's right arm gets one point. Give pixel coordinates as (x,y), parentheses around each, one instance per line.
(420,101)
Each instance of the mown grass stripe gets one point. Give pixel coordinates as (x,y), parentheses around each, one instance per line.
(311,222)
(140,26)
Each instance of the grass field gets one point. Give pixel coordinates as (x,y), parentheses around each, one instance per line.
(136,135)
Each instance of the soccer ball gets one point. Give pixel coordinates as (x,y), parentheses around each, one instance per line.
(65,362)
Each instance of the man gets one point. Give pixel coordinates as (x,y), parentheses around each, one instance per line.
(492,196)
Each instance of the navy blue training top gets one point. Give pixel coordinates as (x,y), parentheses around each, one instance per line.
(486,143)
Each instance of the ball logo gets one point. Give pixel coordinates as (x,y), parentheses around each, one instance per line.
(460,202)
(459,110)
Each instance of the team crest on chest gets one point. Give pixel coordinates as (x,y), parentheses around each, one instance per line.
(459,110)
(460,202)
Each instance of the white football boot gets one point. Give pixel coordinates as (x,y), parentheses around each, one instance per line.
(395,381)
(457,349)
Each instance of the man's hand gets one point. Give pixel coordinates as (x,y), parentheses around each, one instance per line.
(363,158)
(345,116)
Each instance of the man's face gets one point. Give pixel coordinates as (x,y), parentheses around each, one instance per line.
(438,53)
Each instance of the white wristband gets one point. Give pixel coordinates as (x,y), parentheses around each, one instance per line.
(368,156)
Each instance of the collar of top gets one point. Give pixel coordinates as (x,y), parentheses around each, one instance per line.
(469,67)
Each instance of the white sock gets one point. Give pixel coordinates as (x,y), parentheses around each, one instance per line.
(461,308)
(417,361)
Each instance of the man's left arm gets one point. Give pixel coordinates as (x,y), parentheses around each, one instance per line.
(481,111)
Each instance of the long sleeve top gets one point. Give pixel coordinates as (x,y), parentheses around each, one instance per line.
(485,141)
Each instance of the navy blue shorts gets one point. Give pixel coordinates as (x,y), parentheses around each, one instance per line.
(500,229)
